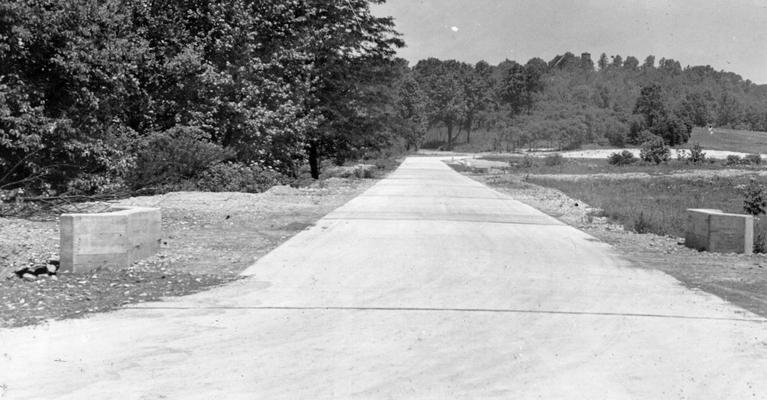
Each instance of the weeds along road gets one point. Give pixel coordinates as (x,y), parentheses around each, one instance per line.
(429,285)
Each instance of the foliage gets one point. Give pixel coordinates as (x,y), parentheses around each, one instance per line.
(238,177)
(178,154)
(753,159)
(553,160)
(754,198)
(652,205)
(623,158)
(85,84)
(655,150)
(733,159)
(697,155)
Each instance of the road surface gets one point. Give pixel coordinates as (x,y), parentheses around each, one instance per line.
(427,286)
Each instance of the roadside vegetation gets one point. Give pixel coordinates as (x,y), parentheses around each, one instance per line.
(639,208)
(625,164)
(649,197)
(108,98)
(655,205)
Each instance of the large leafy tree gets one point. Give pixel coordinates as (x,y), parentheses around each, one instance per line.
(83,83)
(412,112)
(478,93)
(441,82)
(350,52)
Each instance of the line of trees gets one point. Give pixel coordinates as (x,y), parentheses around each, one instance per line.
(98,94)
(568,101)
(107,95)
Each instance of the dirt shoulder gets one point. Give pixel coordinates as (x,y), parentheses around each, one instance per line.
(739,279)
(208,239)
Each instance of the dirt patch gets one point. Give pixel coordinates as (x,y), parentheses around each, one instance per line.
(208,239)
(739,279)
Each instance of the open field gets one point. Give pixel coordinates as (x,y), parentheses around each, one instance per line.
(654,205)
(719,145)
(730,140)
(586,166)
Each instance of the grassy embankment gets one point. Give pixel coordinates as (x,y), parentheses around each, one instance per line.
(654,205)
(730,140)
(721,139)
(656,198)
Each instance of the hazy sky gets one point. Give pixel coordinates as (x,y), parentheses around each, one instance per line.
(726,34)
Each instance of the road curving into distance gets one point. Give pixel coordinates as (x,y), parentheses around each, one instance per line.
(427,286)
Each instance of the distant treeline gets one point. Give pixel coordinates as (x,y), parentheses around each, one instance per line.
(569,101)
(115,95)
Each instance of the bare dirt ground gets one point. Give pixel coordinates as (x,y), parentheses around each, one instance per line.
(740,279)
(209,238)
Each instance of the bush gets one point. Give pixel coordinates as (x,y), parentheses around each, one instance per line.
(733,159)
(655,150)
(528,161)
(623,158)
(173,156)
(753,159)
(754,198)
(554,160)
(239,177)
(696,154)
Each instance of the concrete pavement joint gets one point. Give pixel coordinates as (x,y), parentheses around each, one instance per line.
(436,309)
(442,220)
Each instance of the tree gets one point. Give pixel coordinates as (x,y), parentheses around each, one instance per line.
(651,105)
(617,61)
(631,63)
(441,82)
(477,92)
(411,108)
(649,63)
(603,62)
(350,54)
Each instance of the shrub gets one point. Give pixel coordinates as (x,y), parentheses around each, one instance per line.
(178,154)
(642,224)
(528,161)
(753,159)
(733,159)
(239,177)
(644,136)
(697,155)
(754,198)
(554,159)
(655,150)
(623,158)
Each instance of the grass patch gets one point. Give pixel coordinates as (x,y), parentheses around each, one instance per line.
(581,166)
(731,140)
(654,205)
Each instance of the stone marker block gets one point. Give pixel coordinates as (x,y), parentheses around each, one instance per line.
(713,230)
(115,238)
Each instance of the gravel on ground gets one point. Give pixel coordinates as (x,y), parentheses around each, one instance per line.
(208,239)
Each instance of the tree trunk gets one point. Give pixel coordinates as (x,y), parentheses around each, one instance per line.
(450,135)
(314,160)
(469,123)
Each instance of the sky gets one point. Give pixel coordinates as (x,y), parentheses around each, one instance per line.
(728,35)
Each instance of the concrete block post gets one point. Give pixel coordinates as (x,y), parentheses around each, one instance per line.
(115,238)
(713,230)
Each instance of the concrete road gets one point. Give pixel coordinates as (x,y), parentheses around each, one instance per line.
(427,286)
